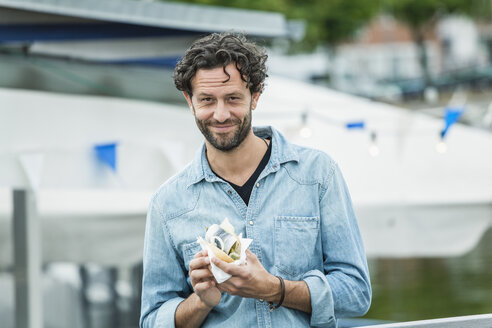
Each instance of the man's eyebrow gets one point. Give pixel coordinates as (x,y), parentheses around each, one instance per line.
(234,94)
(204,94)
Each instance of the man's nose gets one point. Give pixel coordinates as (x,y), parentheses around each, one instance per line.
(221,113)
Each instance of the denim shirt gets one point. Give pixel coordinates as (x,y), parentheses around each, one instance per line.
(303,227)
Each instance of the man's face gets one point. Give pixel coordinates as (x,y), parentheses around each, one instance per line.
(222,110)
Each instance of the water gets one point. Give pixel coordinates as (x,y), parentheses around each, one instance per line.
(428,288)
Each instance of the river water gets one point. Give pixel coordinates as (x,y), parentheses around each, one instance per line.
(428,288)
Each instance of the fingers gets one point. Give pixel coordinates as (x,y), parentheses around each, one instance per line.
(199,268)
(230,268)
(197,276)
(233,269)
(203,286)
(199,262)
(201,253)
(250,256)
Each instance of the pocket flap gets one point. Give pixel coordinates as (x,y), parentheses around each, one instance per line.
(297,222)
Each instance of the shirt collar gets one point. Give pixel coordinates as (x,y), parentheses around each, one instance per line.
(282,152)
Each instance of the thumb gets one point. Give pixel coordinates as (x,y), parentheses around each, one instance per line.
(250,256)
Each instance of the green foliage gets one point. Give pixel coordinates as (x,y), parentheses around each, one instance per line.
(335,20)
(332,21)
(482,10)
(328,21)
(418,14)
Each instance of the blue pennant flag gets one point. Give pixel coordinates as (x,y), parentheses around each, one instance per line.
(355,125)
(451,116)
(107,154)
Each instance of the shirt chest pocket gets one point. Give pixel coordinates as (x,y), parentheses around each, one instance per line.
(296,250)
(189,251)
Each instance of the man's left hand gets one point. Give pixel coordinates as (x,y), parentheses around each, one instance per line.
(249,280)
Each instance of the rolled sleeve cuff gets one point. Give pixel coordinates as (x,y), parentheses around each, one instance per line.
(322,309)
(166,313)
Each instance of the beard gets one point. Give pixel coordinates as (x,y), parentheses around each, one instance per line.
(226,142)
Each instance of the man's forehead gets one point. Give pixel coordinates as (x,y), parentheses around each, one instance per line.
(216,77)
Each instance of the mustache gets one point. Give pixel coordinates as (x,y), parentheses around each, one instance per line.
(226,122)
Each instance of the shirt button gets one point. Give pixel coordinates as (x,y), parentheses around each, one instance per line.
(251,222)
(229,192)
(257,185)
(261,300)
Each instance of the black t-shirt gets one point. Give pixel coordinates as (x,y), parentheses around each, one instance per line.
(245,190)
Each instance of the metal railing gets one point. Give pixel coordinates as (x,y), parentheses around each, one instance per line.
(471,321)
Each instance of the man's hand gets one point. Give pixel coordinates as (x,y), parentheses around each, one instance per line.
(249,280)
(203,281)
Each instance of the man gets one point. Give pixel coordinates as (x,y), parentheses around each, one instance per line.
(306,265)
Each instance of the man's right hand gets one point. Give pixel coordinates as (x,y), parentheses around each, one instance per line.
(203,281)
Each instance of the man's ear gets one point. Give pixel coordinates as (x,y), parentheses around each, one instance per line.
(255,97)
(188,100)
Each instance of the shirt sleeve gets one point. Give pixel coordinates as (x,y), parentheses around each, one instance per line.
(343,289)
(164,281)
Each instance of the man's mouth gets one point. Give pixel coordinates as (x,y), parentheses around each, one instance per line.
(222,128)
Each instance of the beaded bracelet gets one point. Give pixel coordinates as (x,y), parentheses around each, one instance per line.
(270,304)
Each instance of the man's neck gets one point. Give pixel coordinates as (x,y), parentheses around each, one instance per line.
(239,164)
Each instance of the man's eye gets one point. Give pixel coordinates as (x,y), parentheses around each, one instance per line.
(233,98)
(207,99)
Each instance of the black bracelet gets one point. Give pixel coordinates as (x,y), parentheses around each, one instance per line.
(282,296)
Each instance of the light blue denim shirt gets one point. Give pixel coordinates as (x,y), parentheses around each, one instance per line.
(303,227)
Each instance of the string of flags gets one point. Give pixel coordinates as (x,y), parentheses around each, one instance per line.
(355,125)
(452,114)
(104,155)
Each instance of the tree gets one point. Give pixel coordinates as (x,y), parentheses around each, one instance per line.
(421,16)
(328,21)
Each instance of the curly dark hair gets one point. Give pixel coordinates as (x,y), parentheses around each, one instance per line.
(221,49)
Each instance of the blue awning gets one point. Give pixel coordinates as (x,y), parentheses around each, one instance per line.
(82,31)
(158,15)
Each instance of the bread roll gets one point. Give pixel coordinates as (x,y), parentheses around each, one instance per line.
(220,253)
(223,241)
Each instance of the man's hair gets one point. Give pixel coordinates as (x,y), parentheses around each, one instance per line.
(221,49)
